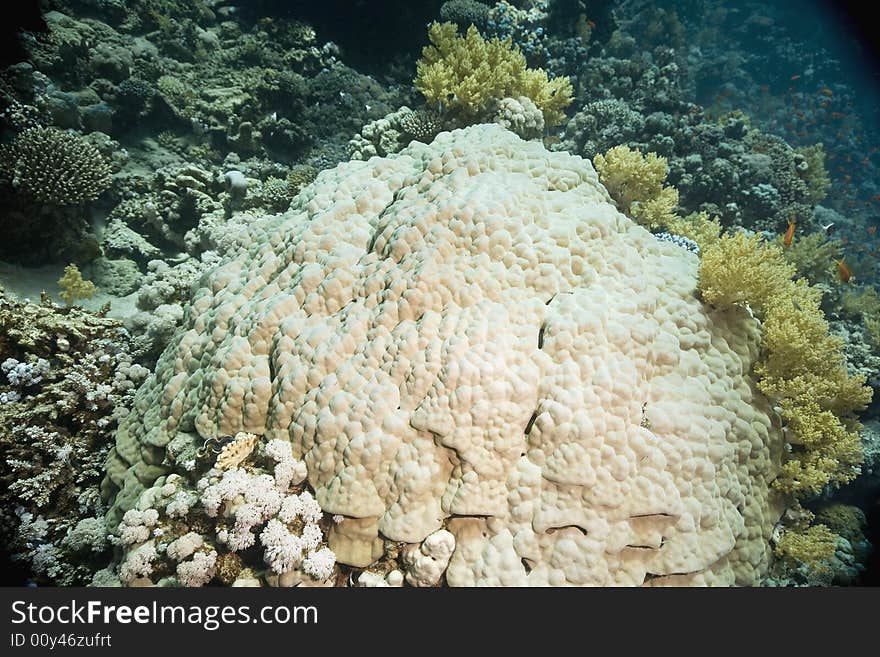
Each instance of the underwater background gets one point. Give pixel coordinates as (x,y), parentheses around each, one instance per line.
(144,141)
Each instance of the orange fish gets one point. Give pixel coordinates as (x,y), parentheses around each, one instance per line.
(789,234)
(592,25)
(844,273)
(826,92)
(836,115)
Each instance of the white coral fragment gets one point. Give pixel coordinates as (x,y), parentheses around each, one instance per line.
(426,563)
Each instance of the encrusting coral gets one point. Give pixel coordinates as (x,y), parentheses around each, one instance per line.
(470,74)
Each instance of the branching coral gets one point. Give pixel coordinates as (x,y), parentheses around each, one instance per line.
(55,167)
(189,532)
(469,74)
(636,183)
(72,377)
(813,256)
(74,287)
(814,173)
(803,367)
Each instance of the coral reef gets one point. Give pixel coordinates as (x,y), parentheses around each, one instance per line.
(299,238)
(549,441)
(393,132)
(192,527)
(67,379)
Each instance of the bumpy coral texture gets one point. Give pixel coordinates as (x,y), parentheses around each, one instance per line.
(468,335)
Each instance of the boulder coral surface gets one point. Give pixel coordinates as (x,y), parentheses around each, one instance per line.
(468,336)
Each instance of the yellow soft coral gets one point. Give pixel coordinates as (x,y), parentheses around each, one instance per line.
(815,175)
(796,333)
(824,451)
(73,286)
(743,270)
(468,74)
(813,547)
(803,367)
(699,227)
(635,182)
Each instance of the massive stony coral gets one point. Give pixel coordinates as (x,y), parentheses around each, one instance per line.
(469,335)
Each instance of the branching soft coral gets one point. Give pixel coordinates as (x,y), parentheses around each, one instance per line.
(699,227)
(635,182)
(813,256)
(796,333)
(468,74)
(74,287)
(803,367)
(824,450)
(813,547)
(743,270)
(815,175)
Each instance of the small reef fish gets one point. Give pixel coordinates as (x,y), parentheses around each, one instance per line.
(844,273)
(794,77)
(826,92)
(789,234)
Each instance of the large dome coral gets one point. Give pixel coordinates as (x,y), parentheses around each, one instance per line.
(469,336)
